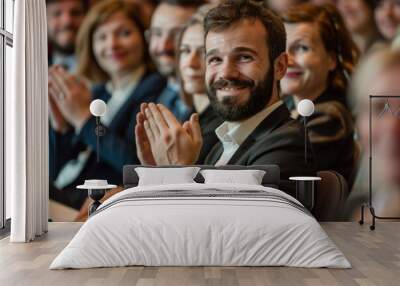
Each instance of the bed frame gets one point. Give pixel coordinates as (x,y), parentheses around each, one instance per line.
(271,177)
(330,196)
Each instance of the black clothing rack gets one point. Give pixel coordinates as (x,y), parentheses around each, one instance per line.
(369,205)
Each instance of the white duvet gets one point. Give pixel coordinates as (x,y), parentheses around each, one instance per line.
(185,230)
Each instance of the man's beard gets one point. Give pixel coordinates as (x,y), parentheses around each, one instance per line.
(64,50)
(260,95)
(68,49)
(164,70)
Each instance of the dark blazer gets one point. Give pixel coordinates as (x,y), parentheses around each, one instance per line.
(170,98)
(278,139)
(209,121)
(117,146)
(331,133)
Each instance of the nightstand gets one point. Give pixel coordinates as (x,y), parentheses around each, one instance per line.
(305,187)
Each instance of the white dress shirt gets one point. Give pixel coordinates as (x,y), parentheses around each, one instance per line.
(67,61)
(120,96)
(233,134)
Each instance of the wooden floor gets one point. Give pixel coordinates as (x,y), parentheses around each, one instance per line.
(375,257)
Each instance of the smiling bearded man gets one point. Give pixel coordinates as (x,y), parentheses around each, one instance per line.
(245,59)
(228,110)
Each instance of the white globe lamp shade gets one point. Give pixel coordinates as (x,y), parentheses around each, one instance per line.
(305,107)
(98,107)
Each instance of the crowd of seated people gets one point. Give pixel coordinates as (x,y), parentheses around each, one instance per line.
(112,56)
(188,83)
(242,75)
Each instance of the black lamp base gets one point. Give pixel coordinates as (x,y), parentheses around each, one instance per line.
(96,195)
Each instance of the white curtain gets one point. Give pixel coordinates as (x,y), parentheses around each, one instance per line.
(27,124)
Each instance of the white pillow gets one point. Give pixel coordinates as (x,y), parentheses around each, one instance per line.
(248,177)
(163,176)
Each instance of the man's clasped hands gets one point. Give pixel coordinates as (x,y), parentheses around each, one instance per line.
(162,140)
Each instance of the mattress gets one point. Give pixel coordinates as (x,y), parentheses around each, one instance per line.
(201,225)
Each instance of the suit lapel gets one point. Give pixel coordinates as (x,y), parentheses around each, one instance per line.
(270,123)
(243,148)
(214,154)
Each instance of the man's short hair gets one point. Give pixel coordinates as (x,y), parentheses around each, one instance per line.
(231,12)
(184,3)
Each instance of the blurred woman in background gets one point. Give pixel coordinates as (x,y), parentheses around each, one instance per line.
(378,74)
(387,17)
(321,57)
(112,55)
(358,16)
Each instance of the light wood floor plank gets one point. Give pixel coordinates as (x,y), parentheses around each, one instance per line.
(375,257)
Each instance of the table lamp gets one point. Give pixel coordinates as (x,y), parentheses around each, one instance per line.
(305,108)
(98,108)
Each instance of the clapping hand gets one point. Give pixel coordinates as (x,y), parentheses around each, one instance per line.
(69,100)
(57,120)
(170,142)
(143,145)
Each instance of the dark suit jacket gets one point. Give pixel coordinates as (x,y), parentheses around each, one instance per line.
(278,139)
(117,146)
(209,121)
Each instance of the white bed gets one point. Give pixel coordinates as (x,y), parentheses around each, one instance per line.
(201,224)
